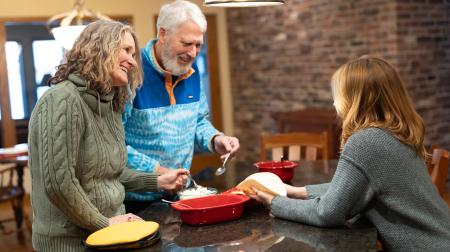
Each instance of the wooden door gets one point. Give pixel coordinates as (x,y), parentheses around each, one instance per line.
(202,161)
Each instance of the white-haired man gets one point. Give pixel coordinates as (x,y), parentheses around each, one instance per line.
(168,119)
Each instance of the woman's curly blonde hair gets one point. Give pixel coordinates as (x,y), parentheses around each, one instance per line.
(94,58)
(368,92)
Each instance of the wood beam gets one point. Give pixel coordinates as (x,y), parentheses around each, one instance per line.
(8,129)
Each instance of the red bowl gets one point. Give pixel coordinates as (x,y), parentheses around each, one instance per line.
(211,209)
(285,171)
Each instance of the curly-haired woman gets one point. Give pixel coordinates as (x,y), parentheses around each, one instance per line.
(381,173)
(77,153)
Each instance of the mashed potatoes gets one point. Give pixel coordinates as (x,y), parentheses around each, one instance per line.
(200,191)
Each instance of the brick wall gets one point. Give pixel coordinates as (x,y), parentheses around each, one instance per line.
(423,35)
(282,58)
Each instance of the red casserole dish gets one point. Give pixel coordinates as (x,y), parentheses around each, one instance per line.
(211,209)
(283,170)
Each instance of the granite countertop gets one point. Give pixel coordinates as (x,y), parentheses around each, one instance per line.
(256,230)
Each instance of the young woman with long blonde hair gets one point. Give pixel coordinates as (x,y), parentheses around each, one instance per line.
(381,173)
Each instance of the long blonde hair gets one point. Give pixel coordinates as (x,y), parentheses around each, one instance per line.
(94,58)
(368,92)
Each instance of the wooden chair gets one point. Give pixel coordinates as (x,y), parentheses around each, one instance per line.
(315,120)
(439,171)
(429,160)
(11,190)
(297,146)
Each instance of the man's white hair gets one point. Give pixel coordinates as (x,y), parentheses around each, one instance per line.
(172,15)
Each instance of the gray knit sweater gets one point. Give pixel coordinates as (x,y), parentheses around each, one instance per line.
(385,181)
(77,157)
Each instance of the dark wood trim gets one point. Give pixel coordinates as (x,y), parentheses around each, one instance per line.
(8,127)
(200,161)
(128,18)
(23,19)
(213,69)
(121,18)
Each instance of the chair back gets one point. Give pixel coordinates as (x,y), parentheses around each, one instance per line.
(314,120)
(9,187)
(295,146)
(430,158)
(11,190)
(439,172)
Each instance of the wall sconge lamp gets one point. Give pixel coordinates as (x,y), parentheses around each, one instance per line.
(67,26)
(241,3)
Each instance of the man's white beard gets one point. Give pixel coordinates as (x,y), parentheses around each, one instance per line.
(171,64)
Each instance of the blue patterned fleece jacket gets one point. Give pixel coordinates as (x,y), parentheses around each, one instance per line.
(167,121)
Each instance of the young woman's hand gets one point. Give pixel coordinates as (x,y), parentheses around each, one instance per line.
(124,218)
(260,196)
(172,181)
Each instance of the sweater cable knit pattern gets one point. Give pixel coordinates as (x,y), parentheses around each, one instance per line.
(77,158)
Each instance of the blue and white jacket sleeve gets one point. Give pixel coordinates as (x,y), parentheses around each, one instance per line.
(205,130)
(137,160)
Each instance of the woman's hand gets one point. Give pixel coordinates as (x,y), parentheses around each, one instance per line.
(161,170)
(172,181)
(124,218)
(263,197)
(296,192)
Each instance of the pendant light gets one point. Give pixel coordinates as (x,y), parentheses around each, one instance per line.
(67,26)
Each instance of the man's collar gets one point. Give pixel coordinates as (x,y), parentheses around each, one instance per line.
(150,54)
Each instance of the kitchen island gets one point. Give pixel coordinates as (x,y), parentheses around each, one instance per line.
(256,230)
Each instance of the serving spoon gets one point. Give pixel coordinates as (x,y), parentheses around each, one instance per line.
(221,170)
(192,179)
(189,176)
(175,202)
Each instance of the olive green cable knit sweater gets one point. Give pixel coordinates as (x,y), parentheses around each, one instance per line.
(77,158)
(385,181)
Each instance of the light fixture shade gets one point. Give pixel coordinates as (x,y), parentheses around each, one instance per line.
(241,3)
(66,35)
(67,26)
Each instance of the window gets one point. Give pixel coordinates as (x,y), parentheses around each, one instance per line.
(15,78)
(47,54)
(31,57)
